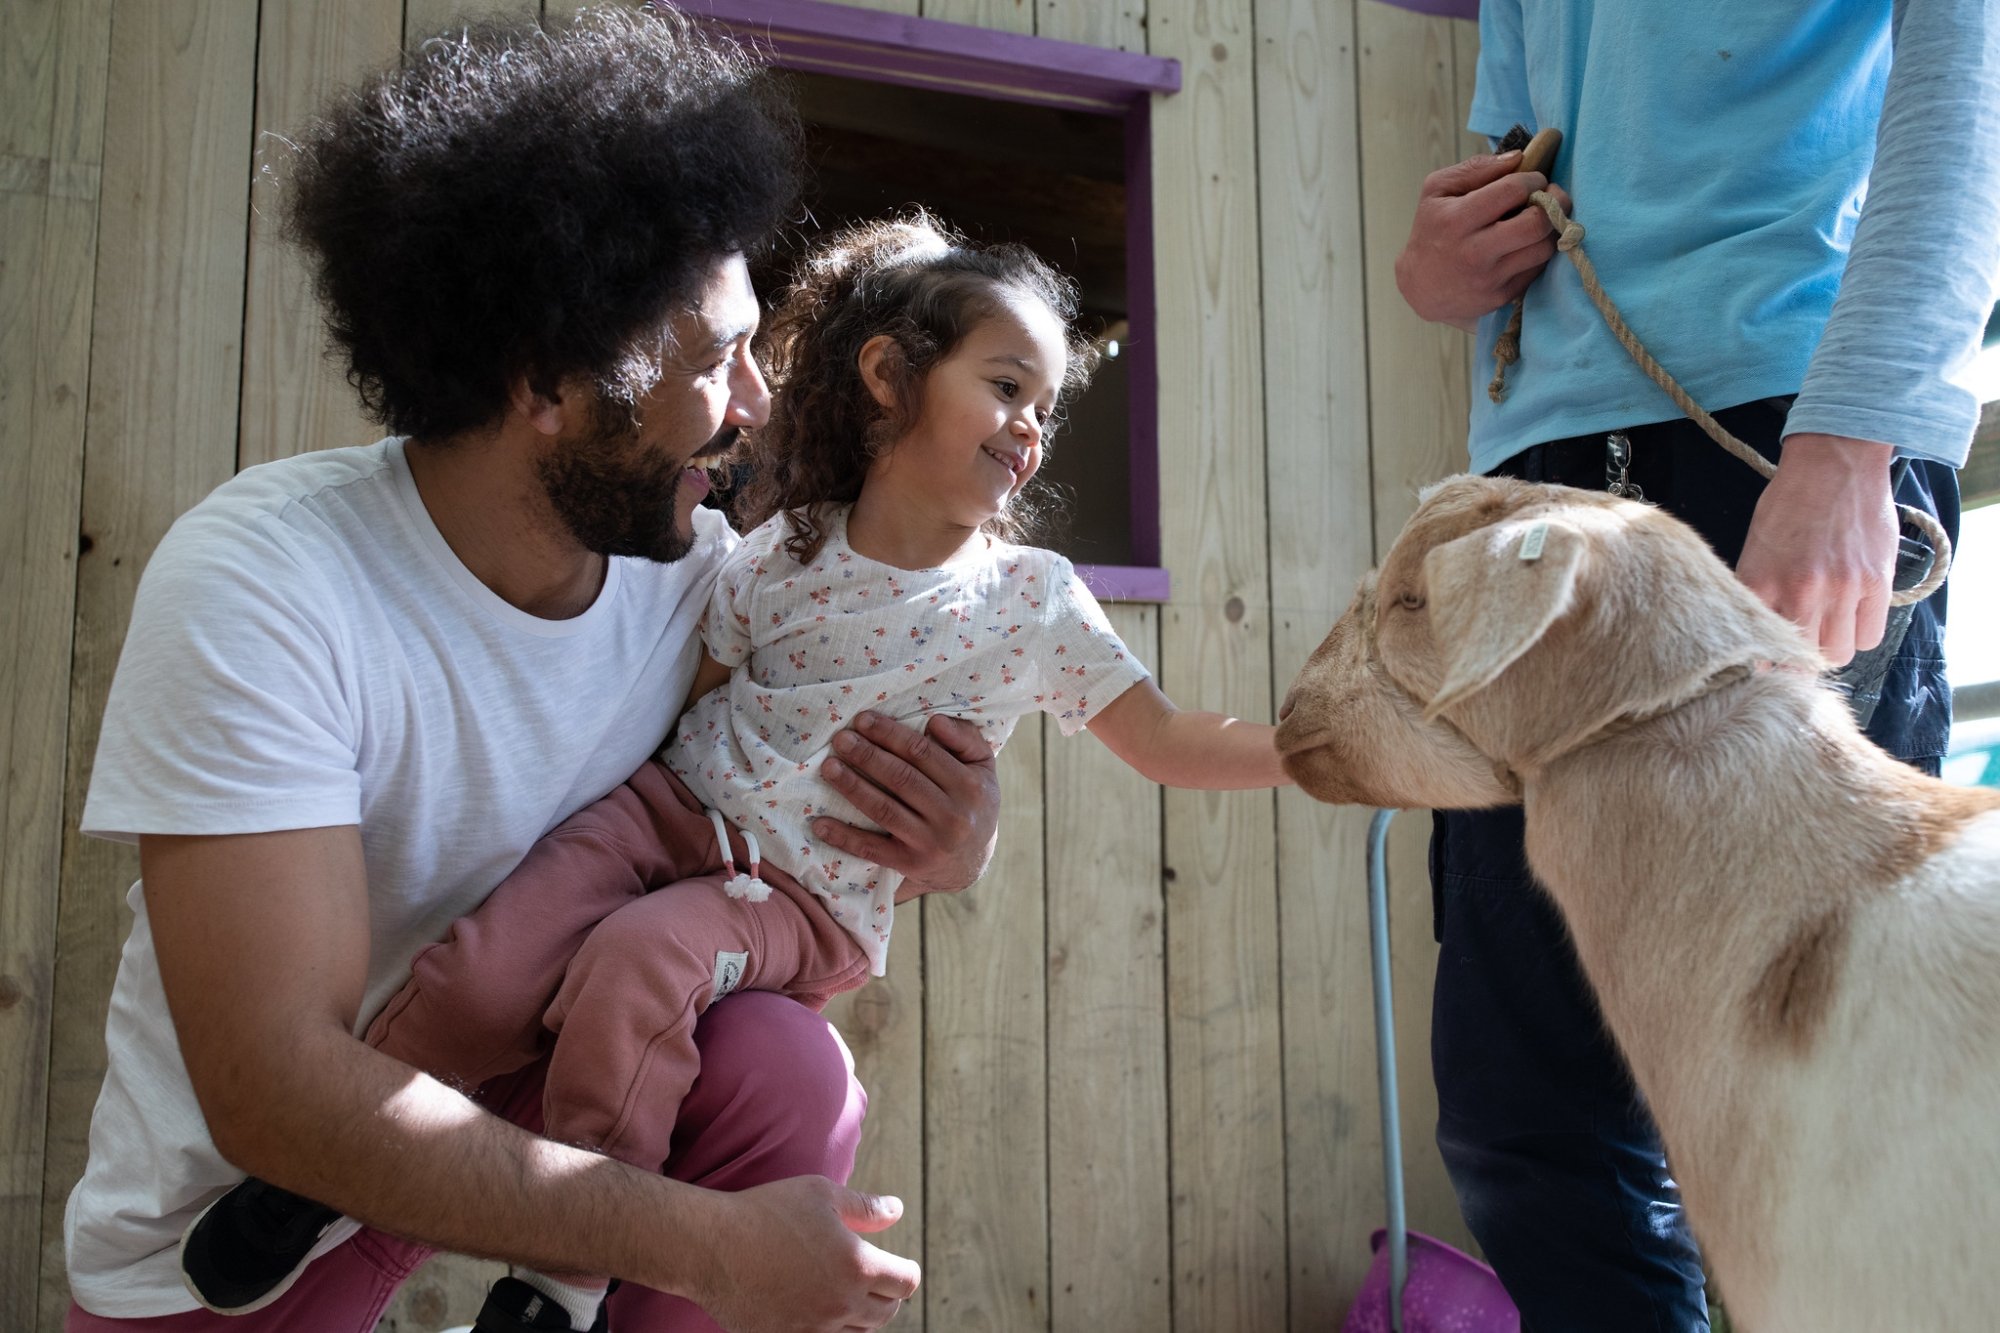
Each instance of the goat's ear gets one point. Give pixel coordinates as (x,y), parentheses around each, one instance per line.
(1492,594)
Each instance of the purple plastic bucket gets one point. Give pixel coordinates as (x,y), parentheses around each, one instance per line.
(1448,1291)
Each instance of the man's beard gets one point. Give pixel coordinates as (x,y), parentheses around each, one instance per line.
(615,497)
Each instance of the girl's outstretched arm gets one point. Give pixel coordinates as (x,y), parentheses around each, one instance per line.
(1209,751)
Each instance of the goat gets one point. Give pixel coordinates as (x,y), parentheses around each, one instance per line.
(1793,938)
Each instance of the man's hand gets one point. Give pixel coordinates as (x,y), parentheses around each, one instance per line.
(935,794)
(785,1258)
(1475,242)
(1822,546)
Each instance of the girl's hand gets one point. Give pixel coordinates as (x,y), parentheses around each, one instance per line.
(935,794)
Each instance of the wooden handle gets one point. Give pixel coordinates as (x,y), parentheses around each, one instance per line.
(1540,154)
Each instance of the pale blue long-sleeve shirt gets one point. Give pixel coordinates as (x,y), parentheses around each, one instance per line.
(1720,153)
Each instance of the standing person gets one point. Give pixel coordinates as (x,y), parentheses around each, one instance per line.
(918,376)
(359,684)
(1718,154)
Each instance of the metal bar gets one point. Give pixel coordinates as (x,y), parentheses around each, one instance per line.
(1969,703)
(1385,1062)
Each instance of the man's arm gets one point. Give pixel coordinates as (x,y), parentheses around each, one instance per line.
(262,942)
(1918,287)
(935,794)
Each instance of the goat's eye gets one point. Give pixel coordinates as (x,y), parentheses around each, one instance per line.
(1411,601)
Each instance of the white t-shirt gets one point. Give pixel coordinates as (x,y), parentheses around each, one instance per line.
(306,651)
(1008,631)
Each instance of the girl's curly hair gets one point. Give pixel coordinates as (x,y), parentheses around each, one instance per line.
(914,279)
(527,199)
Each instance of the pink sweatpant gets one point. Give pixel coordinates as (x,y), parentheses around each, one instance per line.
(613,935)
(776,1098)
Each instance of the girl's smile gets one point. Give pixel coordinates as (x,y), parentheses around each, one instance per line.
(977,439)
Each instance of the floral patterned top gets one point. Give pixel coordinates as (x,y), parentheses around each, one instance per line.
(987,638)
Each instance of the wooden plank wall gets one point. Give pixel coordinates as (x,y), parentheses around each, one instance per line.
(1127,1082)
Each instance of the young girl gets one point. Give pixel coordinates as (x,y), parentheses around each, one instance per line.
(917,378)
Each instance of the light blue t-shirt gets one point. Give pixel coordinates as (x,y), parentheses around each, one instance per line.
(1719,153)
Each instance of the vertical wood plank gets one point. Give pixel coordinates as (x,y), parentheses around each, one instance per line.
(1118,24)
(1418,406)
(1000,15)
(1111,1261)
(985,1070)
(294,398)
(51,135)
(426,18)
(159,433)
(1222,994)
(1418,380)
(1322,539)
(883,1024)
(1465,78)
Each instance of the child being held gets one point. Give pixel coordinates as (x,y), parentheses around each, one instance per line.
(916,380)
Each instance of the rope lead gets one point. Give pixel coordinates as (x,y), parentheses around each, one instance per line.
(1507,350)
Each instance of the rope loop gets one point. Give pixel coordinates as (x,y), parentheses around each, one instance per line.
(1569,241)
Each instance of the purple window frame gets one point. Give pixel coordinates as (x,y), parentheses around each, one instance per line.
(868,44)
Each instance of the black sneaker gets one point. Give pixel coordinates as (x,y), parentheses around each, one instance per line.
(512,1306)
(247,1248)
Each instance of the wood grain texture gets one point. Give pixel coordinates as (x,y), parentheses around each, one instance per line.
(883,1024)
(1418,404)
(1417,371)
(424,18)
(1322,540)
(999,15)
(1226,1112)
(1118,24)
(53,61)
(985,1072)
(1111,1257)
(294,397)
(159,433)
(1465,78)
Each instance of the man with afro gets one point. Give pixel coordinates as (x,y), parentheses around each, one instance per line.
(360,683)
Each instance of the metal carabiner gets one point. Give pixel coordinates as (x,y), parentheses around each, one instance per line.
(1618,467)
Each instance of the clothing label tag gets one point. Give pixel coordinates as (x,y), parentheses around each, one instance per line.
(1531,545)
(728,973)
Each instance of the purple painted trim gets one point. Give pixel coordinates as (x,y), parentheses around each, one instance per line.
(930,53)
(1142,408)
(896,48)
(1448,9)
(1126,583)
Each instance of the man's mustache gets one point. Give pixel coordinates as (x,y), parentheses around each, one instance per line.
(719,444)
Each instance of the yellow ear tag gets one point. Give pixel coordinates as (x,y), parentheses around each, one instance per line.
(1531,545)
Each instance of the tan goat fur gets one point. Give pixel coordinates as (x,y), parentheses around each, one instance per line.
(1794,939)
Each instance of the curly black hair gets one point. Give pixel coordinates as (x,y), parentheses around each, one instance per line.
(528,199)
(915,279)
